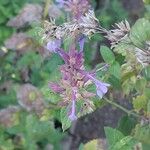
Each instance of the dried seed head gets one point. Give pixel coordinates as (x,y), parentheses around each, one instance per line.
(89,23)
(71,29)
(119,34)
(48,30)
(143,55)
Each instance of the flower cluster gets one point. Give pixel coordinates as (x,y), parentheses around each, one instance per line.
(74,81)
(89,23)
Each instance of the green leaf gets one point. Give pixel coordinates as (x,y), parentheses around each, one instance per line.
(35,129)
(91,145)
(107,55)
(36,33)
(117,141)
(142,133)
(146,1)
(126,124)
(145,146)
(112,136)
(147,93)
(29,59)
(115,82)
(2,19)
(5,143)
(148,107)
(140,32)
(122,48)
(140,102)
(66,122)
(127,143)
(81,147)
(140,85)
(8,98)
(146,73)
(4,2)
(129,83)
(115,70)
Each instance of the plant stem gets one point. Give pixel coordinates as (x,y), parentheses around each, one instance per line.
(129,112)
(45,13)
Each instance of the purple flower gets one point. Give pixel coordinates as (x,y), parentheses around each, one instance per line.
(101,87)
(73,58)
(75,78)
(72,115)
(53,45)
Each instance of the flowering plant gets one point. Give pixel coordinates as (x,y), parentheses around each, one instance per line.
(67,78)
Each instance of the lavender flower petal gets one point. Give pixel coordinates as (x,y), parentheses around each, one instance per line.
(101,87)
(53,45)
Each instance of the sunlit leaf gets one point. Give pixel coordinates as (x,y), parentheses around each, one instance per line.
(107,54)
(66,122)
(140,32)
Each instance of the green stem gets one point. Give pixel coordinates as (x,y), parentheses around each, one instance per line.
(47,4)
(129,112)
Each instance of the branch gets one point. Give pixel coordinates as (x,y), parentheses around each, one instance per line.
(129,112)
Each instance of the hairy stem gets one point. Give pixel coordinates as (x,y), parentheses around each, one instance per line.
(129,112)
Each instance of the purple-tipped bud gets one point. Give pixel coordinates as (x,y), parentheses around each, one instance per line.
(53,45)
(81,43)
(63,55)
(55,87)
(72,115)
